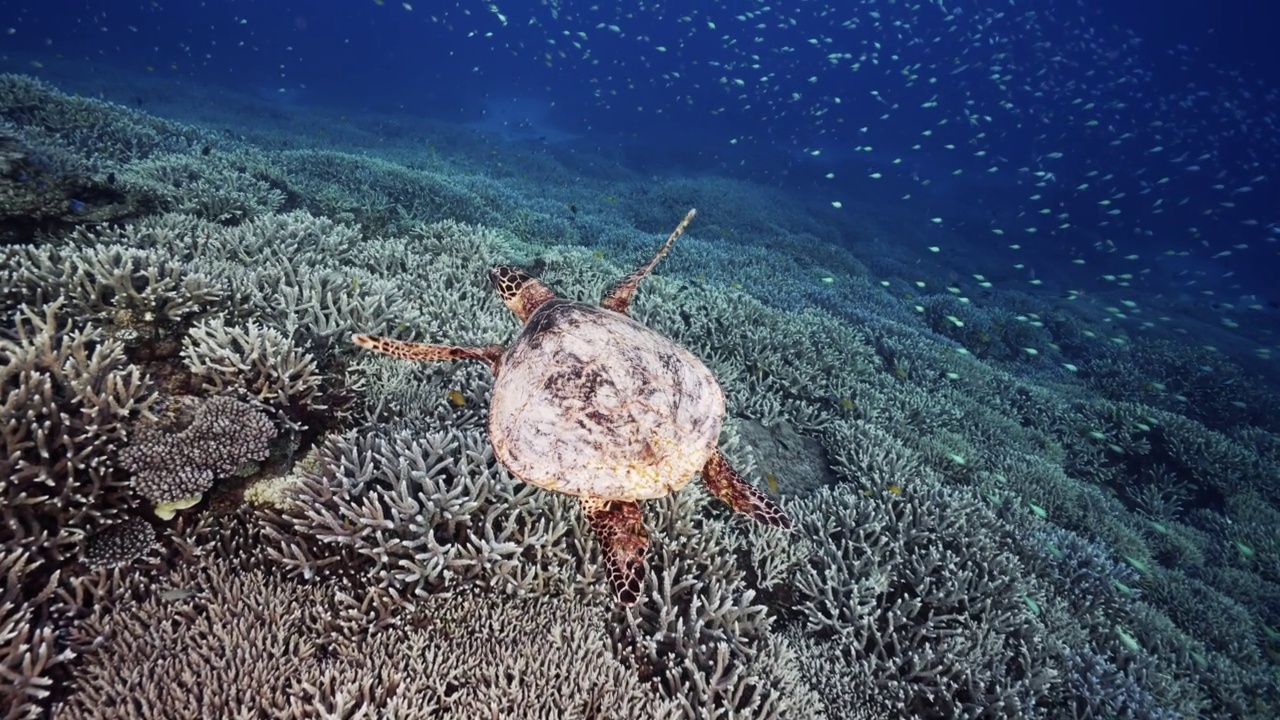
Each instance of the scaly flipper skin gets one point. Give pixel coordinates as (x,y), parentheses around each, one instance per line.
(619,526)
(422,352)
(725,483)
(619,298)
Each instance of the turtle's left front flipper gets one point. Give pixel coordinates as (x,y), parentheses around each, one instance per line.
(619,526)
(490,355)
(725,483)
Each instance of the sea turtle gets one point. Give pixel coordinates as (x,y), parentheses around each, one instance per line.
(588,402)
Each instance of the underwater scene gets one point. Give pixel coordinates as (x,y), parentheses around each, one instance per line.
(632,359)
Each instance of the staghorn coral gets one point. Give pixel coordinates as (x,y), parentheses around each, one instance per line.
(30,656)
(239,643)
(846,687)
(1206,614)
(1190,381)
(99,133)
(698,632)
(381,194)
(921,587)
(225,187)
(223,435)
(254,360)
(1100,689)
(300,275)
(425,511)
(136,294)
(44,188)
(1084,571)
(68,395)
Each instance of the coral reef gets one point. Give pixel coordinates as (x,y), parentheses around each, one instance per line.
(894,580)
(69,394)
(224,434)
(231,643)
(1086,530)
(255,360)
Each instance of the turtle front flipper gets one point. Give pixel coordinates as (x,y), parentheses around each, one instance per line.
(619,525)
(619,298)
(725,483)
(422,352)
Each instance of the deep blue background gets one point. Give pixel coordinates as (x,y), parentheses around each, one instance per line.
(1204,69)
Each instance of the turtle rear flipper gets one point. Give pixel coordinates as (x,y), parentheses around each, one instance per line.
(619,298)
(422,352)
(619,525)
(725,483)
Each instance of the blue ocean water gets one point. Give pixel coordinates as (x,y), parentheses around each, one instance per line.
(1090,131)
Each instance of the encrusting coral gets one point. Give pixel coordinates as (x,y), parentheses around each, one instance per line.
(120,543)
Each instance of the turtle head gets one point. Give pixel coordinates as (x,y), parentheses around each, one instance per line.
(521,292)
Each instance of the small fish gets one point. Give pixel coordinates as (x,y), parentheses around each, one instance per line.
(1125,589)
(772,481)
(1137,564)
(894,489)
(457,399)
(1031,604)
(1128,640)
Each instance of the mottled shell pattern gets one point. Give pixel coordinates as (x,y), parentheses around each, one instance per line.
(591,402)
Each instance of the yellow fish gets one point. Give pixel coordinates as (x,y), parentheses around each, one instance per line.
(895,489)
(457,399)
(772,482)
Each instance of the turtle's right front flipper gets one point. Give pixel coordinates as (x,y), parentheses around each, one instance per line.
(619,297)
(422,352)
(619,526)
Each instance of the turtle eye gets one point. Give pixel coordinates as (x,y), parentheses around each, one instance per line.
(508,280)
